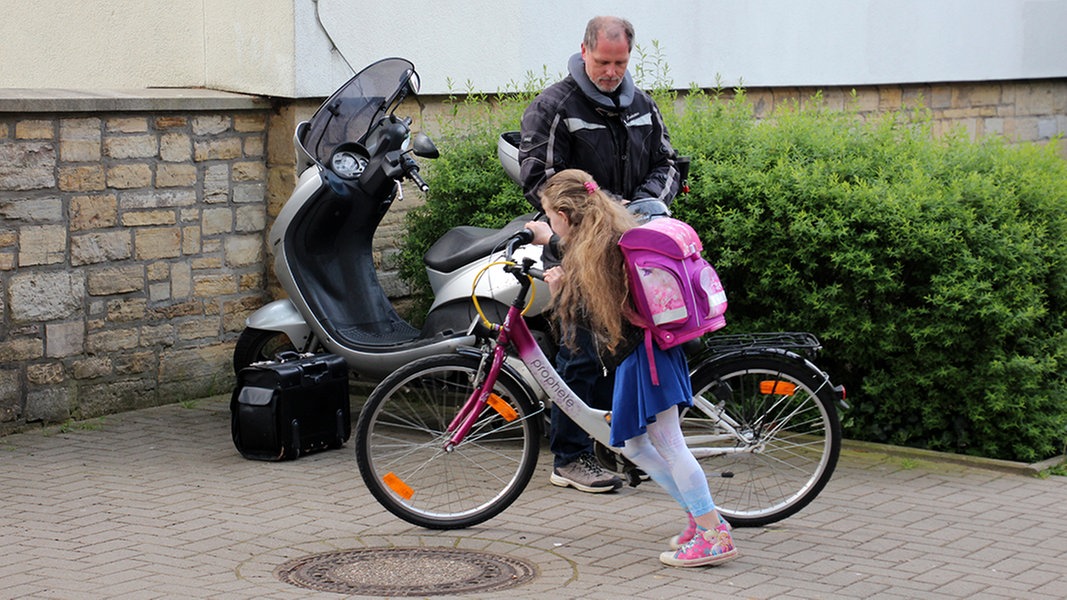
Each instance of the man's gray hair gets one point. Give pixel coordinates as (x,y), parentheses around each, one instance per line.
(613,28)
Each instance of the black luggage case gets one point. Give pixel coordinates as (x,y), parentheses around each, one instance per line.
(297,404)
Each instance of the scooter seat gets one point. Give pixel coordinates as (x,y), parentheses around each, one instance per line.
(463,245)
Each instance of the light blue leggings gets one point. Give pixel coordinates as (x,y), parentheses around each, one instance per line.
(662,454)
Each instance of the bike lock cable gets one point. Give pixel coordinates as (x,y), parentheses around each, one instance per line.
(478,277)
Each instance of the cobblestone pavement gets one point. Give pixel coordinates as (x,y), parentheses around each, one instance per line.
(156,503)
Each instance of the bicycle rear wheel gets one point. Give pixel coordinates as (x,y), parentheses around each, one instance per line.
(785,441)
(400,444)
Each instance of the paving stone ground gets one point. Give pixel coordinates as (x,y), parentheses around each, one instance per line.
(156,503)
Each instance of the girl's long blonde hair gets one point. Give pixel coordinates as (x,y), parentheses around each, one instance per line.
(595,293)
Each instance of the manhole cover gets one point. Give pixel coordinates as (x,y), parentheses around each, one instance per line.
(406,571)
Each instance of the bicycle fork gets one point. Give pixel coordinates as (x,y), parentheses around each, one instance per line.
(481,397)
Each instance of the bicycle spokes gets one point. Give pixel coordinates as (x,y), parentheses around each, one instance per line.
(770,422)
(406,452)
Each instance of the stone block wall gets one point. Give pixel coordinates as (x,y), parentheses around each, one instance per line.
(131,249)
(1020,111)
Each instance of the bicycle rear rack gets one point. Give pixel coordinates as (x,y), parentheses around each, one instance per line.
(803,341)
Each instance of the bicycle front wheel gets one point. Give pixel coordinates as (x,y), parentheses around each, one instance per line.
(765,429)
(401,444)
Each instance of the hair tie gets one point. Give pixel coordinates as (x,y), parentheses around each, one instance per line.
(591,186)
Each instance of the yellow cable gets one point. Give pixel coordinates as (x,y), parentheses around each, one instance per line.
(474,290)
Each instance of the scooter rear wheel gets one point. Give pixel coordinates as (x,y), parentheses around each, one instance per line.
(257,345)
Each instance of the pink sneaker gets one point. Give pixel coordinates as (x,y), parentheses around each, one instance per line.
(687,534)
(706,548)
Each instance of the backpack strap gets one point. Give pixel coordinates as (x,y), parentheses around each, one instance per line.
(651,357)
(636,319)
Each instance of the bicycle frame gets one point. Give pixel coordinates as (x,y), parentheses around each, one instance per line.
(513,332)
(731,432)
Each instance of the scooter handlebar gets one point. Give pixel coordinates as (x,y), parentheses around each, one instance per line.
(411,169)
(422,185)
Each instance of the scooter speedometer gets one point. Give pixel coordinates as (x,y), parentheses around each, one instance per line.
(347,164)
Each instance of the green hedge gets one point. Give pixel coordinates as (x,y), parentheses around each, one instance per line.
(468,185)
(933,270)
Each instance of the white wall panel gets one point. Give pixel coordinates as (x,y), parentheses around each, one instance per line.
(280,47)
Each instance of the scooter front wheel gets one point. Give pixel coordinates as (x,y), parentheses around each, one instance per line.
(257,345)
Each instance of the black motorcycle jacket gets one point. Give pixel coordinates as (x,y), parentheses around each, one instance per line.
(619,139)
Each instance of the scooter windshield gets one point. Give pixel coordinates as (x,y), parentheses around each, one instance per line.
(350,113)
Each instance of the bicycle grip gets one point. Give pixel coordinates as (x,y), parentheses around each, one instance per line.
(522,237)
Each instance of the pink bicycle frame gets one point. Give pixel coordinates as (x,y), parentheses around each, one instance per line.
(514,332)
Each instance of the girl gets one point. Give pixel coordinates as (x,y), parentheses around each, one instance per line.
(590,288)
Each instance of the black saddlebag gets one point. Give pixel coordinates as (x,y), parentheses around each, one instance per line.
(285,408)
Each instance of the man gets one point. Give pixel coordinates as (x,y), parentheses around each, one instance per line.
(596,120)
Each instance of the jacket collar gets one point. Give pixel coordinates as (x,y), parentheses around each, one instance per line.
(621,99)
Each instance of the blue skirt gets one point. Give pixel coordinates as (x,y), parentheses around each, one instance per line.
(636,402)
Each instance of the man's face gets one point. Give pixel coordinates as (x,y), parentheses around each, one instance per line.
(606,65)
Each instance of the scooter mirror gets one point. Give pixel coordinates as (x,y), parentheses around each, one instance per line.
(424,146)
(412,80)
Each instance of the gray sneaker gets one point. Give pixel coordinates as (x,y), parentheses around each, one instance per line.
(586,475)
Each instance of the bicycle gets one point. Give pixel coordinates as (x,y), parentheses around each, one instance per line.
(450,441)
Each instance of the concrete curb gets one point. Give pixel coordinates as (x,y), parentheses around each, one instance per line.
(995,464)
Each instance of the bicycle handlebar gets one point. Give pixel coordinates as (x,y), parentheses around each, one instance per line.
(522,238)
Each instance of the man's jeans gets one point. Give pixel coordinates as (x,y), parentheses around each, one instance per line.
(582,370)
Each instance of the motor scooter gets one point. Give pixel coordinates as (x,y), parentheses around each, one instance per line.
(354,153)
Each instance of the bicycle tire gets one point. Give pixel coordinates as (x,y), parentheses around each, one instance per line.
(400,444)
(790,434)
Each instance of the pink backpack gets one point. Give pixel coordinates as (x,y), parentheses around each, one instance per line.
(676,293)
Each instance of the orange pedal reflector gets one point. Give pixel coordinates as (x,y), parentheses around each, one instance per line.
(502,407)
(397,485)
(783,388)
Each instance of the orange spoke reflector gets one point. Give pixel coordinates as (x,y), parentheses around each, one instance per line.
(783,388)
(397,485)
(501,406)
